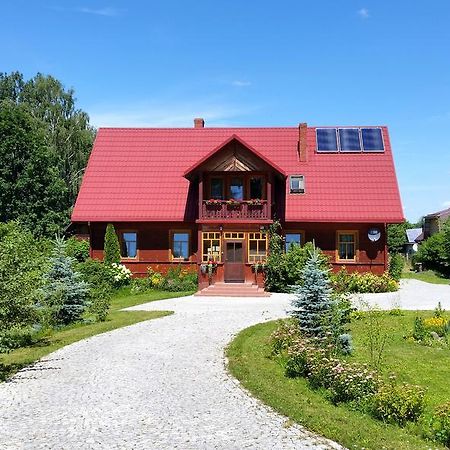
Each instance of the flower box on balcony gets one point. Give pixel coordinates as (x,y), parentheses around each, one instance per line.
(255,203)
(233,204)
(213,202)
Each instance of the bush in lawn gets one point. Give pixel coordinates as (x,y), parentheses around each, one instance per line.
(17,337)
(313,300)
(438,427)
(95,273)
(398,403)
(284,336)
(101,286)
(65,294)
(77,248)
(352,383)
(396,265)
(438,325)
(111,246)
(22,264)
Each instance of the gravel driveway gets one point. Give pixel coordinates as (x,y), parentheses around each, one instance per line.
(160,384)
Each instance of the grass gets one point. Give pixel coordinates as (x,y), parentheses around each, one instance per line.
(11,362)
(263,376)
(428,276)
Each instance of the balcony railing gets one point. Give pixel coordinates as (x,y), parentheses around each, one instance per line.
(245,210)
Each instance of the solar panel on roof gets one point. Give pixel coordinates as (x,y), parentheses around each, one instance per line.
(349,140)
(326,140)
(372,140)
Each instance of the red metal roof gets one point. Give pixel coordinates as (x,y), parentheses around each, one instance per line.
(136,174)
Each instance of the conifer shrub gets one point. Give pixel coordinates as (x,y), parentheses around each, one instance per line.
(111,246)
(313,303)
(64,293)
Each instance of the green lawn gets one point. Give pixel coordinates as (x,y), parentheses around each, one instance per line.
(429,276)
(15,360)
(250,363)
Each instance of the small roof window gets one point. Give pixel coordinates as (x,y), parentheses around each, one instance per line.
(296,184)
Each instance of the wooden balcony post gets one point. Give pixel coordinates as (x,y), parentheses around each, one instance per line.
(200,197)
(269,196)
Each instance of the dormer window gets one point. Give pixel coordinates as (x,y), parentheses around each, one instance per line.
(297,184)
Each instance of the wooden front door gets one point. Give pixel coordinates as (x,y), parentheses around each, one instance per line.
(234,262)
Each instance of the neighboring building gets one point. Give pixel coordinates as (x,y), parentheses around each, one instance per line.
(192,195)
(413,237)
(432,223)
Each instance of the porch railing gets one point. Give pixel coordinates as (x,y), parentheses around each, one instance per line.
(223,209)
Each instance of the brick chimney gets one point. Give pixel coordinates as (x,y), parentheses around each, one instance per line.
(302,144)
(199,123)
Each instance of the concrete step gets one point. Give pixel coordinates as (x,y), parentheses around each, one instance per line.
(233,290)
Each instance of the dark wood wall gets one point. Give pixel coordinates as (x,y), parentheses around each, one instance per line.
(154,244)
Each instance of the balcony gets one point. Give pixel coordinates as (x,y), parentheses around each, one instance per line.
(234,210)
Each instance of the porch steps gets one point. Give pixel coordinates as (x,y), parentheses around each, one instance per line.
(233,290)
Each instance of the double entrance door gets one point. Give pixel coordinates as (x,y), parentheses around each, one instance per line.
(234,262)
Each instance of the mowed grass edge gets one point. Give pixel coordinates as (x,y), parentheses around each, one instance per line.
(249,361)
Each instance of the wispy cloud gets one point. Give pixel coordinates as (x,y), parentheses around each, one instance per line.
(363,13)
(446,204)
(241,83)
(107,11)
(166,115)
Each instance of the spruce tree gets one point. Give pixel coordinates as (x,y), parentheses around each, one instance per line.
(313,302)
(64,294)
(111,247)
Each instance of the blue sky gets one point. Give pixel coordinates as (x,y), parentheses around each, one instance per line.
(254,63)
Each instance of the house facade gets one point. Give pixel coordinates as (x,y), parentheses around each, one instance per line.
(188,196)
(432,223)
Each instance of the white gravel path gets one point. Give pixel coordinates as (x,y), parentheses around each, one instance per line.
(413,295)
(160,384)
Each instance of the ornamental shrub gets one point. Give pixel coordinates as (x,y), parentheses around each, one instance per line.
(111,246)
(65,294)
(101,287)
(398,403)
(77,248)
(396,265)
(120,274)
(438,427)
(352,383)
(22,265)
(179,280)
(313,302)
(361,283)
(284,336)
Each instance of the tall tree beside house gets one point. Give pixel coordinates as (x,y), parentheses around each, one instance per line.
(65,294)
(313,301)
(111,247)
(31,190)
(67,132)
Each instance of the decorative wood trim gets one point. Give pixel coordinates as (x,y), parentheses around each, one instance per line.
(171,233)
(265,238)
(355,233)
